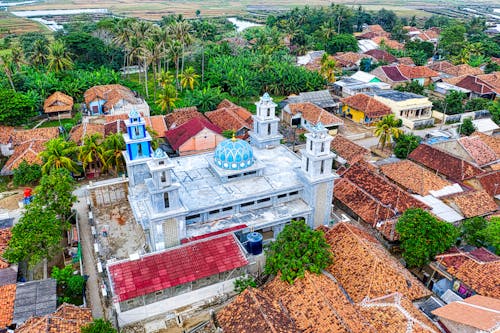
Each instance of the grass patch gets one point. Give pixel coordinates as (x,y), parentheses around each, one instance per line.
(55,123)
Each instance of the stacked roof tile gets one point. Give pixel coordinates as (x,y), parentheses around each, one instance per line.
(416,72)
(5,236)
(7,297)
(368,105)
(181,116)
(313,114)
(230,116)
(348,150)
(112,94)
(381,55)
(474,203)
(451,166)
(58,102)
(463,69)
(479,269)
(79,132)
(490,182)
(6,133)
(480,152)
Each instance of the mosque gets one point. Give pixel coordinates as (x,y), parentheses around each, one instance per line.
(259,186)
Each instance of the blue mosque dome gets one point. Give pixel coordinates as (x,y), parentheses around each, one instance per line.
(233,154)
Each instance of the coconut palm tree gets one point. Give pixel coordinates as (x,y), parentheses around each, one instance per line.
(38,55)
(386,129)
(189,78)
(114,145)
(175,51)
(327,30)
(181,30)
(167,98)
(6,63)
(328,67)
(92,151)
(165,78)
(59,153)
(59,58)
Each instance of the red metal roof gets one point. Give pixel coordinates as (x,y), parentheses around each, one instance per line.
(394,74)
(211,234)
(179,135)
(170,268)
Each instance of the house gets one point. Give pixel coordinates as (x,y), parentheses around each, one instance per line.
(414,110)
(68,318)
(8,278)
(405,61)
(321,98)
(79,132)
(441,89)
(422,74)
(58,105)
(385,41)
(364,290)
(489,182)
(28,144)
(461,70)
(381,56)
(364,109)
(302,114)
(6,147)
(196,136)
(486,126)
(181,116)
(367,45)
(476,314)
(34,299)
(347,151)
(373,30)
(391,75)
(473,203)
(452,167)
(366,195)
(364,77)
(231,117)
(113,99)
(479,87)
(349,60)
(429,35)
(310,58)
(440,66)
(467,272)
(349,87)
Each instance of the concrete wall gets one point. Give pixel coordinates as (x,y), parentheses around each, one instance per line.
(455,327)
(204,141)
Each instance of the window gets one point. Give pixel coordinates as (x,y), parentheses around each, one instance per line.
(212,212)
(322,167)
(281,196)
(263,200)
(268,112)
(233,176)
(294,193)
(307,164)
(193,217)
(226,209)
(322,146)
(139,150)
(166,202)
(249,173)
(246,204)
(310,145)
(268,129)
(163,177)
(136,129)
(161,162)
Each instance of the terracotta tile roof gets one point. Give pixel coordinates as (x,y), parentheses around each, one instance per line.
(181,116)
(372,197)
(493,79)
(58,102)
(429,34)
(166,269)
(108,118)
(8,296)
(228,119)
(158,124)
(5,236)
(395,313)
(21,136)
(480,271)
(317,305)
(454,80)
(112,94)
(79,132)
(474,203)
(415,72)
(366,269)
(453,167)
(314,114)
(179,135)
(490,182)
(369,105)
(388,229)
(440,66)
(240,111)
(493,142)
(28,152)
(375,28)
(6,133)
(414,177)
(480,312)
(381,55)
(480,152)
(474,84)
(348,150)
(393,73)
(348,59)
(68,318)
(463,69)
(254,311)
(406,61)
(388,42)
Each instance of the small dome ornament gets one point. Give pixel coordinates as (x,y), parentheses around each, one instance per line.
(134,114)
(159,153)
(234,154)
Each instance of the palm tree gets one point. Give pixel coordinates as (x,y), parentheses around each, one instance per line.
(188,78)
(114,145)
(155,142)
(328,67)
(92,151)
(59,58)
(167,98)
(17,56)
(6,63)
(59,153)
(181,31)
(386,130)
(165,78)
(38,55)
(175,51)
(327,30)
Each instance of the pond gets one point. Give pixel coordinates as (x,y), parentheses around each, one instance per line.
(241,24)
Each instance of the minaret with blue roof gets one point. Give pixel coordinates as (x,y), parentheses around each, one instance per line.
(265,124)
(138,145)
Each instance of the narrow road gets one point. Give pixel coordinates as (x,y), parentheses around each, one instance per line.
(94,300)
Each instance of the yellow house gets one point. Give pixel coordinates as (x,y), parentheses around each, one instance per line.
(363,109)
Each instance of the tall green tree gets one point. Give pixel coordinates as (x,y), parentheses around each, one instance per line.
(167,98)
(59,153)
(386,129)
(471,228)
(92,150)
(189,78)
(59,58)
(114,145)
(491,234)
(405,144)
(16,107)
(297,249)
(341,43)
(452,39)
(27,174)
(467,127)
(423,236)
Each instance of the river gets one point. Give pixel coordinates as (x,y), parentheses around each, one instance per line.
(241,24)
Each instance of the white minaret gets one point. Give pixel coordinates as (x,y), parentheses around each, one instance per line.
(265,124)
(316,171)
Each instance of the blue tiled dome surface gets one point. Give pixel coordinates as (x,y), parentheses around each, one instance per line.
(233,154)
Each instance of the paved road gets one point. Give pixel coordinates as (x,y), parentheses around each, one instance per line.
(89,263)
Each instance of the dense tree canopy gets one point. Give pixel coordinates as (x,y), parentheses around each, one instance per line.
(423,236)
(16,107)
(297,249)
(405,144)
(98,326)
